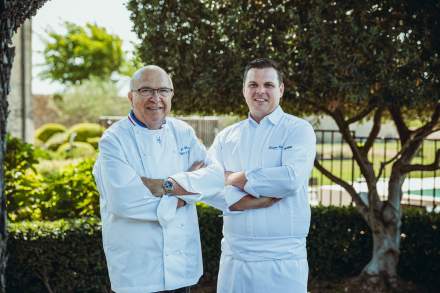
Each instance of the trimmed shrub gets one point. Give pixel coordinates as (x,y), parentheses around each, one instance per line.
(56,141)
(94,141)
(60,256)
(83,131)
(68,256)
(76,149)
(46,131)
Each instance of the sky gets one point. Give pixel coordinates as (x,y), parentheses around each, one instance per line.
(111,14)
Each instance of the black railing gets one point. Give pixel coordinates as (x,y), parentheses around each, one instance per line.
(421,188)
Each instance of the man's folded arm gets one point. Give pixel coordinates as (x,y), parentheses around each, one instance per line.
(297,162)
(201,183)
(125,193)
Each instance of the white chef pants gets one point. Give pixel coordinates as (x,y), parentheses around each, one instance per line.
(273,276)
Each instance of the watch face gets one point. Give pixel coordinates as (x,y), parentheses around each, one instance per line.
(168,185)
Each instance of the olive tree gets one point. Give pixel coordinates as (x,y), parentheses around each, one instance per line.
(80,53)
(350,60)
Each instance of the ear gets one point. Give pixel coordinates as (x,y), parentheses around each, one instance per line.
(130,97)
(282,89)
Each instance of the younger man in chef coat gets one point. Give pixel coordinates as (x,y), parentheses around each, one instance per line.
(267,159)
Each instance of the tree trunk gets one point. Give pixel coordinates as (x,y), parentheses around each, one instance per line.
(6,59)
(383,264)
(385,225)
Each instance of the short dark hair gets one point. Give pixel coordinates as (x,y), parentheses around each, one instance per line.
(261,63)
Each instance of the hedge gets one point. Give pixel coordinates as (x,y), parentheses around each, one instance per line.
(48,130)
(84,131)
(67,255)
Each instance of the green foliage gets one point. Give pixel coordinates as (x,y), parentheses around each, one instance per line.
(69,193)
(81,53)
(76,149)
(346,54)
(69,256)
(54,142)
(46,131)
(22,183)
(94,141)
(83,131)
(64,255)
(89,101)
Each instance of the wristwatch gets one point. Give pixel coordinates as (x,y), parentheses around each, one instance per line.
(168,186)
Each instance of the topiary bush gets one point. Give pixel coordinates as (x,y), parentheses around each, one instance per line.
(83,131)
(94,141)
(46,131)
(76,149)
(56,141)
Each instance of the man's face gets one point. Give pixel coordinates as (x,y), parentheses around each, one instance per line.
(151,109)
(262,92)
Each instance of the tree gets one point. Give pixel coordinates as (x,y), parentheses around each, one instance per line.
(350,60)
(82,52)
(13,13)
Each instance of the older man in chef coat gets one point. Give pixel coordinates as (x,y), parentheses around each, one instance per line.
(267,157)
(152,243)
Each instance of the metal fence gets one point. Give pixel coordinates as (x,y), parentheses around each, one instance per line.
(421,188)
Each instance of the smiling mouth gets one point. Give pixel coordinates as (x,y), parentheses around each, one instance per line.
(260,100)
(155,108)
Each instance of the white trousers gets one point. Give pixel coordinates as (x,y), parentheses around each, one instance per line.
(274,276)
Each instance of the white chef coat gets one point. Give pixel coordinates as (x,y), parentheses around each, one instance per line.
(149,243)
(264,250)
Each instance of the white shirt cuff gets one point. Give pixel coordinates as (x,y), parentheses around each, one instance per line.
(167,209)
(248,187)
(233,194)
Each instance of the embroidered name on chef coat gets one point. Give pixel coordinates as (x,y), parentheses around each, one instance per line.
(280,147)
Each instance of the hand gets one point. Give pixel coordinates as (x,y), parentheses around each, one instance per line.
(196,166)
(249,202)
(180,203)
(227,173)
(154,185)
(237,179)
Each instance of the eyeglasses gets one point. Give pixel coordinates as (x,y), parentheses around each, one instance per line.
(147,92)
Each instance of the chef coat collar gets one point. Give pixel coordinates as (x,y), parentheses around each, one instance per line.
(135,121)
(273,117)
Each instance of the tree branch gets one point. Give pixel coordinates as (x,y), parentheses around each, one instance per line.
(420,167)
(348,187)
(429,127)
(402,128)
(361,159)
(377,123)
(362,114)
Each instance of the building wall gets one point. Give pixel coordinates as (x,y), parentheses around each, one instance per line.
(20,122)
